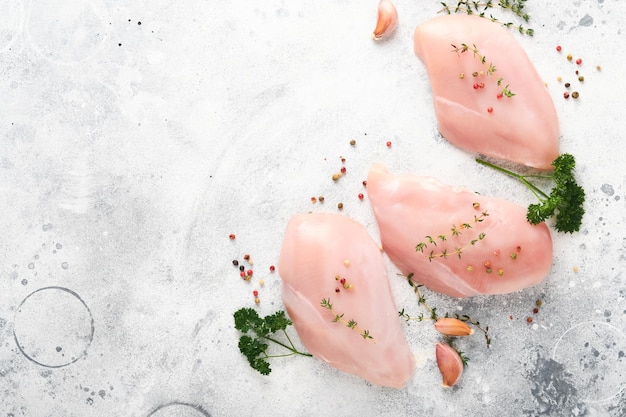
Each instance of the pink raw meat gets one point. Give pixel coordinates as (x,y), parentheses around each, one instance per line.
(523,128)
(317,248)
(513,254)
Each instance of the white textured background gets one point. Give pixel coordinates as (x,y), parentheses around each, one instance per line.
(136,136)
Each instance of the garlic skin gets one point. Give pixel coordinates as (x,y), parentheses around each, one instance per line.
(449,363)
(386,21)
(451,326)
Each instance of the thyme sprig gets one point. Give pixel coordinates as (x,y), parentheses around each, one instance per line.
(491,69)
(351,324)
(455,231)
(480,9)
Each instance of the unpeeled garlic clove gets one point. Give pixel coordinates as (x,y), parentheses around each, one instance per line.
(450,364)
(387,19)
(451,326)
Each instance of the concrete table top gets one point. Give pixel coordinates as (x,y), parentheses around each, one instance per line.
(137,136)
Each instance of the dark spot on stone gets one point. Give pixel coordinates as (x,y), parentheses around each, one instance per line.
(554,390)
(586,20)
(607,189)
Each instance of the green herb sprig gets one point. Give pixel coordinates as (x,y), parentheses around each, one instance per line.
(491,69)
(565,201)
(455,231)
(480,9)
(257,332)
(351,324)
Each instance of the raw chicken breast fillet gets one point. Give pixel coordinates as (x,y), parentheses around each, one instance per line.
(459,261)
(317,248)
(523,128)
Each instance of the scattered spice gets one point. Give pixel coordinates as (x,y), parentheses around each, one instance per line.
(235,262)
(257,300)
(566,95)
(489,109)
(567,85)
(272,268)
(388,144)
(579,61)
(250,272)
(231,236)
(581,78)
(558,48)
(313,200)
(575,94)
(255,293)
(246,257)
(364,183)
(529,319)
(321,198)
(261,282)
(340,206)
(343,170)
(361,196)
(569,57)
(353,142)
(242,268)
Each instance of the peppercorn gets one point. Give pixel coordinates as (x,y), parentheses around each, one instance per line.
(343,170)
(575,94)
(558,48)
(569,57)
(364,183)
(566,95)
(579,61)
(272,268)
(321,198)
(475,74)
(242,268)
(250,272)
(535,310)
(255,293)
(340,206)
(231,236)
(581,78)
(529,320)
(313,200)
(246,257)
(389,144)
(538,303)
(235,262)
(567,85)
(353,142)
(489,109)
(335,177)
(361,196)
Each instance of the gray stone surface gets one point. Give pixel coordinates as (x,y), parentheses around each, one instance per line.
(136,136)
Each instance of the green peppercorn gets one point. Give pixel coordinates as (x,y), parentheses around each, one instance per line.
(575,94)
(581,78)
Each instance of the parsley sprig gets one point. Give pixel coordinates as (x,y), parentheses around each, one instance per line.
(565,201)
(248,322)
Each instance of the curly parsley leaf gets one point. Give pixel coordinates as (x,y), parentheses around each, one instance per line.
(566,200)
(257,332)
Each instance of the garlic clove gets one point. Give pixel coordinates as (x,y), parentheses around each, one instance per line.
(387,19)
(450,364)
(451,326)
